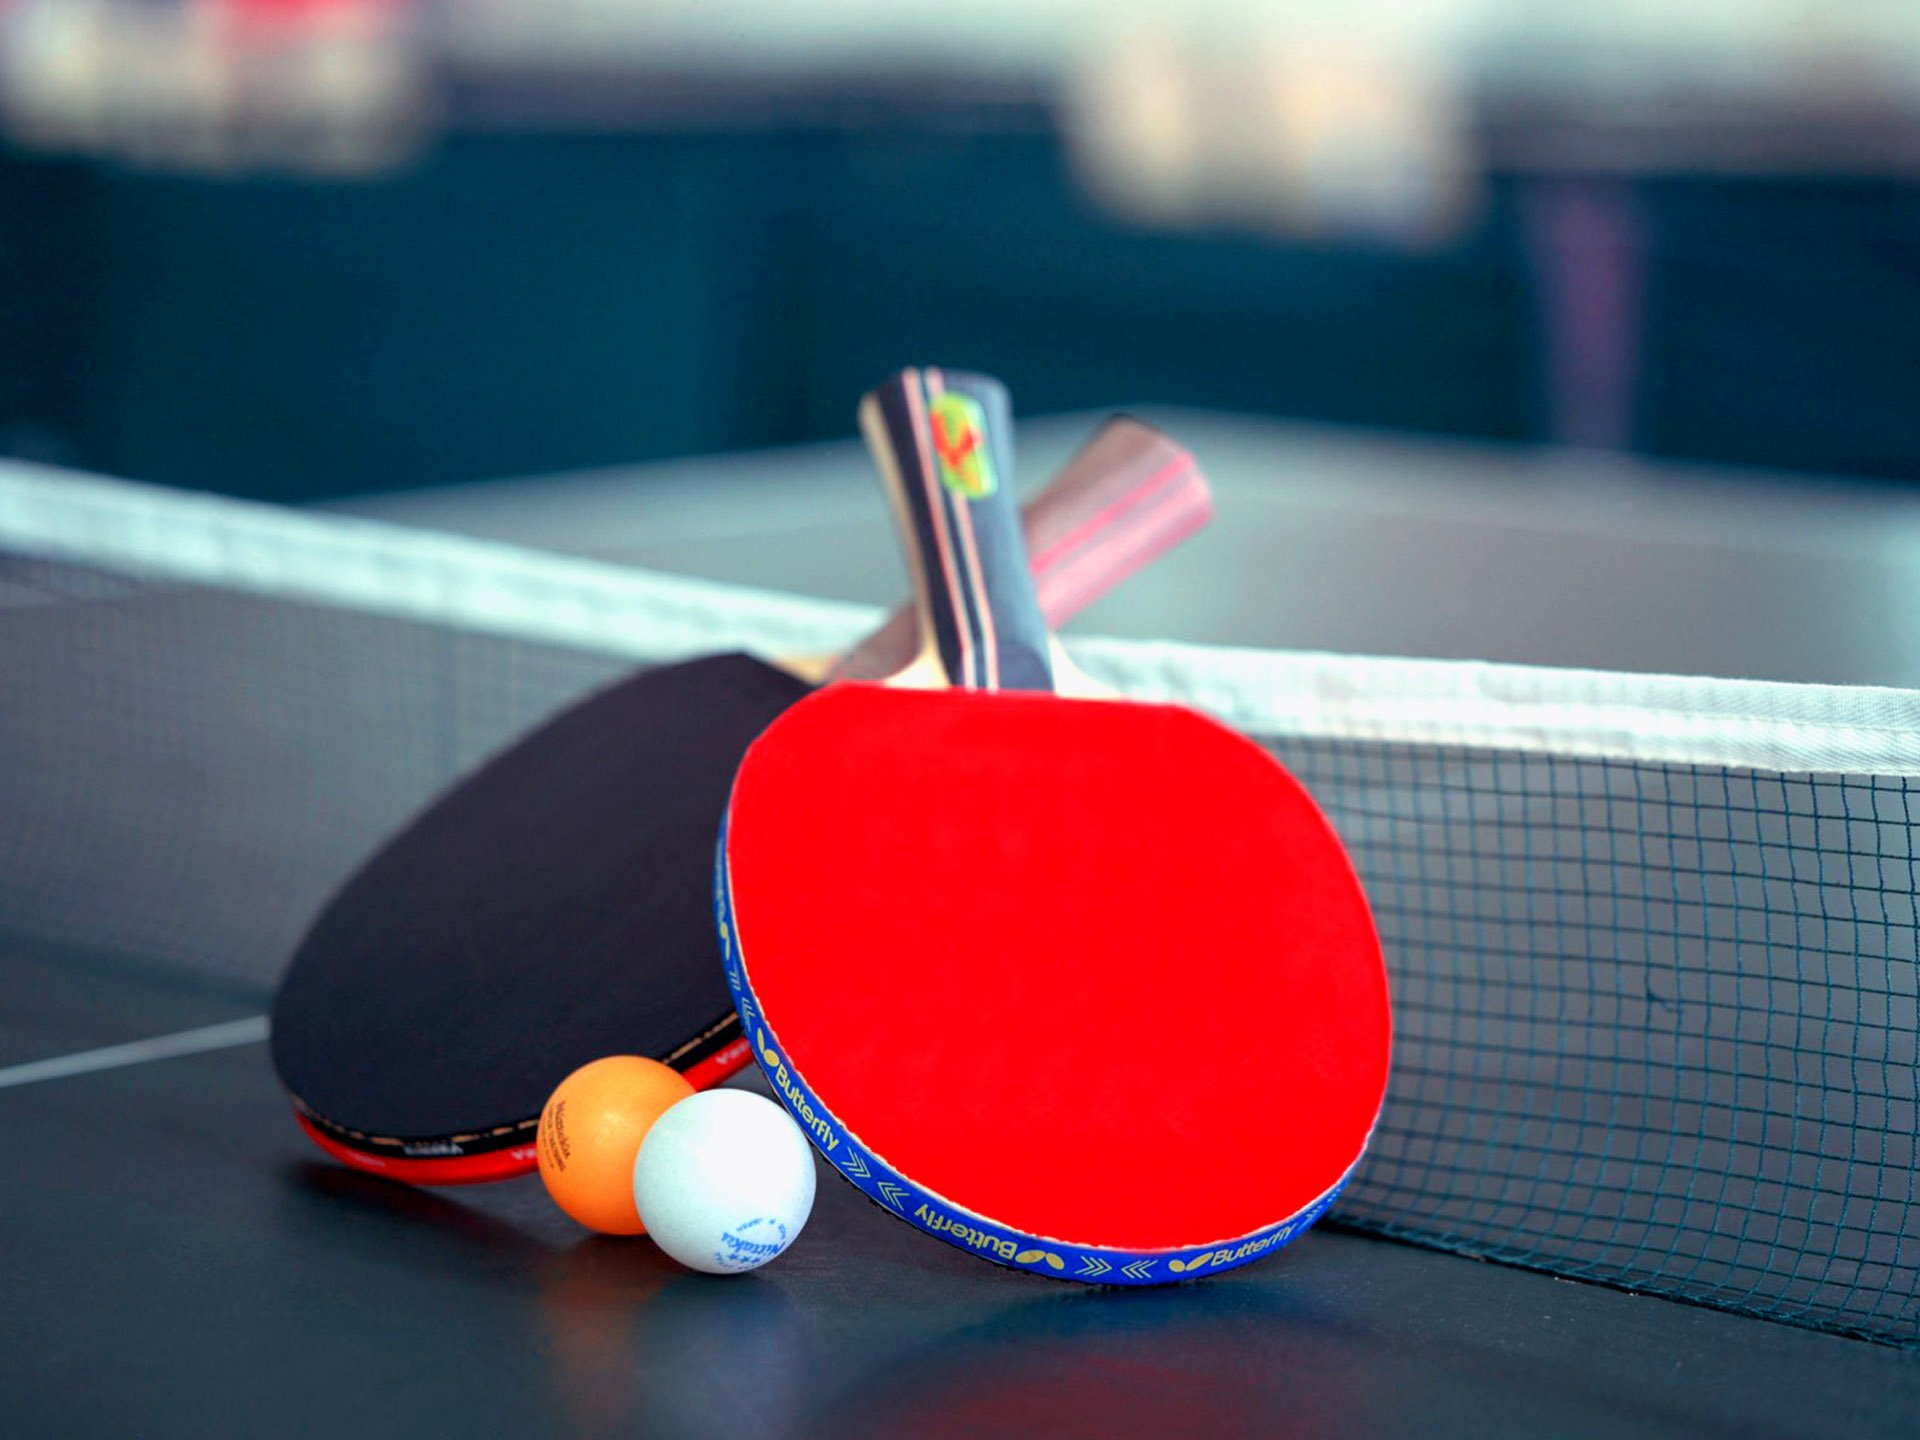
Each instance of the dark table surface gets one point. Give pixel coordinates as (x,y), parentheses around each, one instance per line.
(179,1261)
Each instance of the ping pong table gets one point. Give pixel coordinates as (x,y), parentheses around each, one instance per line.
(179,1261)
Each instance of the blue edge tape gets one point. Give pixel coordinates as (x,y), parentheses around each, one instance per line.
(938,1217)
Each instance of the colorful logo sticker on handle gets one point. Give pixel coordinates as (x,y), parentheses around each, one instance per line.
(960,446)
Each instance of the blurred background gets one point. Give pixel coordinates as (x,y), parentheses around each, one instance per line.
(304,248)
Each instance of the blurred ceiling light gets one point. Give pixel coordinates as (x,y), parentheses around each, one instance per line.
(1318,130)
(331,86)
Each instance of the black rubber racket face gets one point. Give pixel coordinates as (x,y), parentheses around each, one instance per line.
(1082,986)
(551,909)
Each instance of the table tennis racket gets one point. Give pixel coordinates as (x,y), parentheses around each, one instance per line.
(1083,986)
(551,907)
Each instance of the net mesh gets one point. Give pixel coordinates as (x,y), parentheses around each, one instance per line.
(1655,1021)
(1654,1024)
(191,771)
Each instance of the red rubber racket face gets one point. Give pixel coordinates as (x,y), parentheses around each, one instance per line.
(1085,971)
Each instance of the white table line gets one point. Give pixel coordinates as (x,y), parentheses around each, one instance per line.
(250,1031)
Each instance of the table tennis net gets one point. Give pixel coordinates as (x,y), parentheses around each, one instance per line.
(1652,940)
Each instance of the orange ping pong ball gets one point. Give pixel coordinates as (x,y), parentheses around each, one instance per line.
(590,1132)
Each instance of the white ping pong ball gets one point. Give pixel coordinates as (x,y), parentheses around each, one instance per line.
(724,1181)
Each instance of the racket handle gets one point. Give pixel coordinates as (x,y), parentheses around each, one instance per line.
(1128,495)
(943,442)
